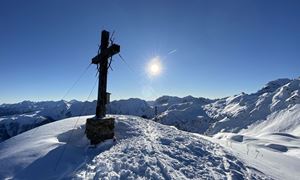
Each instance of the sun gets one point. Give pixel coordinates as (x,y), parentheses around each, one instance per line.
(154,67)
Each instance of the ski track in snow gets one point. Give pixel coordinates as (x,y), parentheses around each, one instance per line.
(147,150)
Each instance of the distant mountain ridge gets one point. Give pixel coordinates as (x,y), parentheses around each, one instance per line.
(242,112)
(201,115)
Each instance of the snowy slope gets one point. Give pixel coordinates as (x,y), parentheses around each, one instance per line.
(143,149)
(272,144)
(276,153)
(284,121)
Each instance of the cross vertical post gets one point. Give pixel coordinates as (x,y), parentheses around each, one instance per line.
(102,86)
(101,59)
(100,127)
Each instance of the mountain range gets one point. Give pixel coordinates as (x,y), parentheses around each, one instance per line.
(275,107)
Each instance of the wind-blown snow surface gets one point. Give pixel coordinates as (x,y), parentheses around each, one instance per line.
(142,149)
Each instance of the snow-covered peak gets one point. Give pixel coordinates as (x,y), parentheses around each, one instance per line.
(74,101)
(167,100)
(171,100)
(274,85)
(132,106)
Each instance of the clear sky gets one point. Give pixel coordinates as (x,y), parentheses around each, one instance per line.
(207,48)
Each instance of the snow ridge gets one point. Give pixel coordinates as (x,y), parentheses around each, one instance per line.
(143,150)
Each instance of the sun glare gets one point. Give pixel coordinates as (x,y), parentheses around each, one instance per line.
(154,67)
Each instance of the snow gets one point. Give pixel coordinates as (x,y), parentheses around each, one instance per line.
(276,154)
(142,149)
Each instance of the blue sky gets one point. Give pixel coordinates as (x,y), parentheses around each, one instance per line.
(222,47)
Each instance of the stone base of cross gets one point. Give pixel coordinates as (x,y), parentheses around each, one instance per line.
(100,127)
(99,130)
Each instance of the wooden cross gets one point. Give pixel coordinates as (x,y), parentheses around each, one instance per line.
(101,59)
